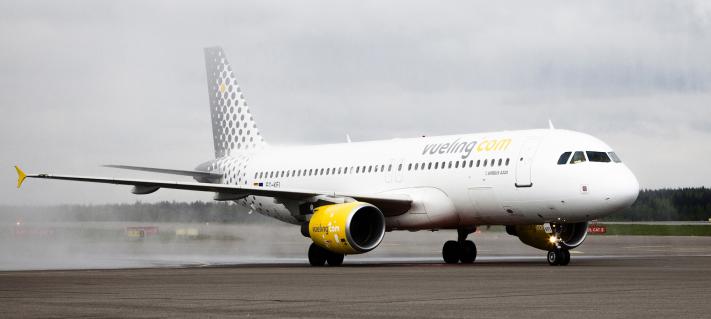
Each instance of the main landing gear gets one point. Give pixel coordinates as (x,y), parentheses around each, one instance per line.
(318,256)
(461,250)
(559,257)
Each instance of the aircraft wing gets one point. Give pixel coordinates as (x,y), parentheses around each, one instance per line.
(391,204)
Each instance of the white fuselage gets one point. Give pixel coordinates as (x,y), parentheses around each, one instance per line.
(455,181)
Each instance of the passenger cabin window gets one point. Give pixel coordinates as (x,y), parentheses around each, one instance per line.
(578,157)
(614,157)
(564,158)
(598,157)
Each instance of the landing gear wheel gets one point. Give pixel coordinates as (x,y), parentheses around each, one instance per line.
(468,252)
(553,258)
(558,257)
(334,259)
(566,257)
(451,252)
(317,255)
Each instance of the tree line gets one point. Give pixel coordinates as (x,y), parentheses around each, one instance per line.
(175,212)
(682,204)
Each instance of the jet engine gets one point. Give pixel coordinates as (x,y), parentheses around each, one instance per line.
(567,236)
(348,228)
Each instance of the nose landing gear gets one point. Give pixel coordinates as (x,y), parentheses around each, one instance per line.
(559,257)
(461,250)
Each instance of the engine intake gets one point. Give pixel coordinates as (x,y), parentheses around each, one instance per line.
(348,228)
(571,235)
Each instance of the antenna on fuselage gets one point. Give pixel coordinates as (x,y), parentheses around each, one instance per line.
(550,125)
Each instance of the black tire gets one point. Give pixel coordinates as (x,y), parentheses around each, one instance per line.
(566,257)
(317,255)
(468,252)
(334,259)
(553,257)
(451,252)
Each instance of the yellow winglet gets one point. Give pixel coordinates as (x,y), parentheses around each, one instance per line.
(20,176)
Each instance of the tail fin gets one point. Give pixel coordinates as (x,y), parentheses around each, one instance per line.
(233,127)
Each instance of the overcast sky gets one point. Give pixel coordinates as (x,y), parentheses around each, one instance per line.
(97,82)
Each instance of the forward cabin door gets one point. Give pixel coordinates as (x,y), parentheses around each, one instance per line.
(524,161)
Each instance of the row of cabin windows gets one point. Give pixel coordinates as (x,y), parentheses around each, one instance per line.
(580,156)
(381,168)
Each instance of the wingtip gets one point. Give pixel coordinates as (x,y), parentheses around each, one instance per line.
(20,176)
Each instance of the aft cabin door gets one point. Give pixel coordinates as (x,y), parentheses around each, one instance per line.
(524,161)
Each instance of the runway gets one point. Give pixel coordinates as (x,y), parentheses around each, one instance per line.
(614,277)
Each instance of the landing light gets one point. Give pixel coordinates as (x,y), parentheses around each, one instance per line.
(553,239)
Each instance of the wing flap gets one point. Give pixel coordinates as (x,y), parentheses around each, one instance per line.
(194,174)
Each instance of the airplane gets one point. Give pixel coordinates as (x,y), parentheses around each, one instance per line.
(543,185)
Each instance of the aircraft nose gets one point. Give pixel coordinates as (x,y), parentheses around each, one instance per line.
(630,190)
(623,190)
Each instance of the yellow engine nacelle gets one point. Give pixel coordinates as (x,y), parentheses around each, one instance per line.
(348,228)
(569,235)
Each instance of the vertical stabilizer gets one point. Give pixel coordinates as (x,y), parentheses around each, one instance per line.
(233,127)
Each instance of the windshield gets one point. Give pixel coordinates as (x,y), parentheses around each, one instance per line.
(578,157)
(598,157)
(614,157)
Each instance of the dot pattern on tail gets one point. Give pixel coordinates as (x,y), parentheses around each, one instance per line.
(233,126)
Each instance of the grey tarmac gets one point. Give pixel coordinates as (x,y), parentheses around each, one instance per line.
(662,278)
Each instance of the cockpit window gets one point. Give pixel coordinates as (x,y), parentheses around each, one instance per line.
(614,157)
(564,158)
(598,157)
(578,157)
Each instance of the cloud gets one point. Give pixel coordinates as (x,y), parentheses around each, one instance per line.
(87,83)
